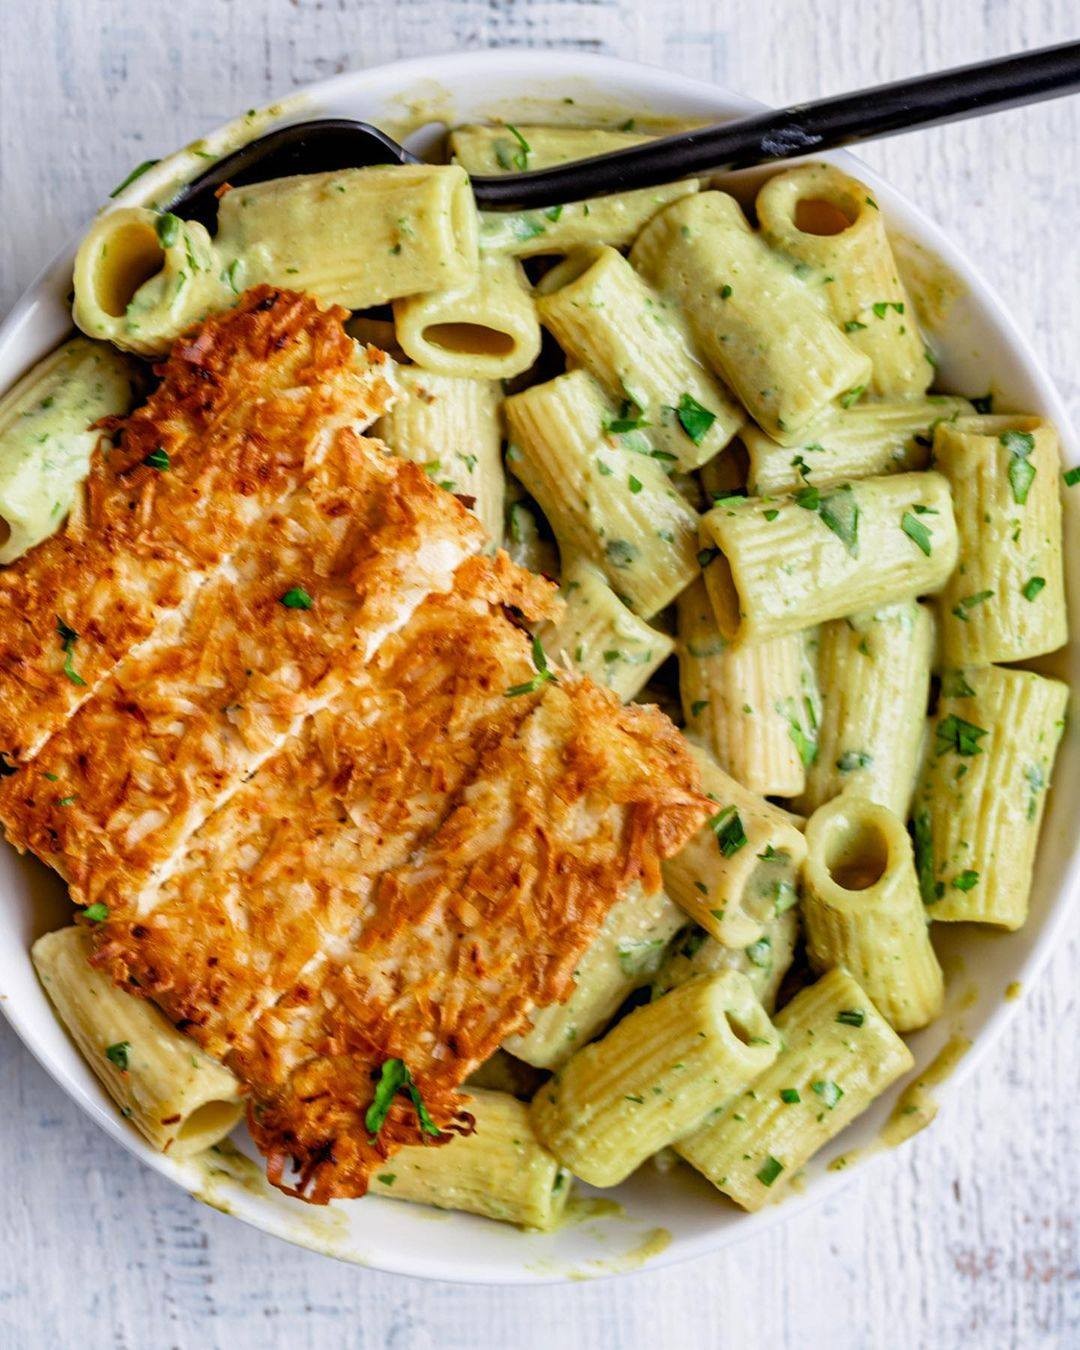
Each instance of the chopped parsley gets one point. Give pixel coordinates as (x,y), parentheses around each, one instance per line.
(760,953)
(922,835)
(790,1096)
(829,1092)
(882,307)
(706,556)
(119,1054)
(1031,588)
(769,1170)
(853,326)
(394,1077)
(137,172)
(694,419)
(854,759)
(953,685)
(634,484)
(158,459)
(840,512)
(852,396)
(726,291)
(967,603)
(544,673)
(553,212)
(524,150)
(168,229)
(1019,444)
(96,913)
(953,733)
(966,880)
(917,532)
(620,552)
(1072,476)
(297,598)
(851,1017)
(68,639)
(387,1178)
(728,828)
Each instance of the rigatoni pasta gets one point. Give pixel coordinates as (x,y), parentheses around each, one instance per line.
(653,1078)
(782,564)
(839,1055)
(623,957)
(863,441)
(607,320)
(863,911)
(756,326)
(501,1171)
(47,436)
(982,792)
(453,428)
(744,703)
(830,224)
(600,637)
(874,673)
(177,1097)
(1006,599)
(764,962)
(741,867)
(606,500)
(484,326)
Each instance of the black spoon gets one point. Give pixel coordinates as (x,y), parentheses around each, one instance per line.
(949,95)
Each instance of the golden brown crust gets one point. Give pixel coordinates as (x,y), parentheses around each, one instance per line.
(244,408)
(113,796)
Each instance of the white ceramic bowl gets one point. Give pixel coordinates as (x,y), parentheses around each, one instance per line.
(660,1218)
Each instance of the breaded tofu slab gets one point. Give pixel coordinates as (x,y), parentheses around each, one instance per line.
(245,409)
(266,706)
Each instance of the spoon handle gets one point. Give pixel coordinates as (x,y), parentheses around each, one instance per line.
(802,129)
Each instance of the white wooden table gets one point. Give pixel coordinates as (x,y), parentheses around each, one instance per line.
(968,1237)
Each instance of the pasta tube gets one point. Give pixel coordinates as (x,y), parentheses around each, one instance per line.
(862,910)
(143,278)
(839,1054)
(981,795)
(501,1171)
(874,673)
(600,637)
(623,957)
(740,869)
(764,962)
(517,149)
(782,564)
(1006,599)
(614,220)
(452,427)
(655,1077)
(47,437)
(605,499)
(484,327)
(608,321)
(179,1098)
(745,703)
(754,321)
(863,441)
(830,224)
(355,237)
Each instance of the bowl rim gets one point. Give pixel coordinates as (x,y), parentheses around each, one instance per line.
(534,64)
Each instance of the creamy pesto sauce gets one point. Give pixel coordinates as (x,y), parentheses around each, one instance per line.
(915,1107)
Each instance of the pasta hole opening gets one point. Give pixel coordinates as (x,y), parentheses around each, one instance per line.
(211,1119)
(739,1028)
(858,857)
(130,257)
(720,583)
(816,215)
(469,339)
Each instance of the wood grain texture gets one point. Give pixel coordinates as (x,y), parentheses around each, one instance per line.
(969,1236)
